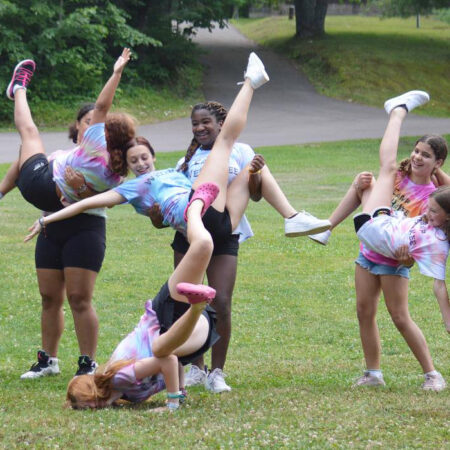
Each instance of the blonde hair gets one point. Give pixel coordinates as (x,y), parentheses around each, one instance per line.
(93,391)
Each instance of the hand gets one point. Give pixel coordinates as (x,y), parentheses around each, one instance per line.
(154,212)
(74,178)
(122,61)
(363,181)
(256,164)
(34,230)
(403,257)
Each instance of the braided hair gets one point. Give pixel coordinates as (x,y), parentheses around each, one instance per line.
(217,110)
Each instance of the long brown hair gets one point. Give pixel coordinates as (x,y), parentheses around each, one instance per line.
(437,143)
(217,110)
(442,197)
(95,388)
(121,129)
(73,132)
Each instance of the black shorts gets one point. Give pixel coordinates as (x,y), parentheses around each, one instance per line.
(229,246)
(360,219)
(76,242)
(36,183)
(169,311)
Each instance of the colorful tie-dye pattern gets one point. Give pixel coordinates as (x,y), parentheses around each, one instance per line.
(427,245)
(409,198)
(167,187)
(138,345)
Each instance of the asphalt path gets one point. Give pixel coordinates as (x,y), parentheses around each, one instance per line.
(287,110)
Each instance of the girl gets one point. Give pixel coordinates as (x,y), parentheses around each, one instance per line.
(374,274)
(191,269)
(62,264)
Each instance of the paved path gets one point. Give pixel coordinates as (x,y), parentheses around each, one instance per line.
(285,111)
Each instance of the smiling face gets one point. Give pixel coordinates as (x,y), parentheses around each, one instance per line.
(205,127)
(423,161)
(140,160)
(83,124)
(435,214)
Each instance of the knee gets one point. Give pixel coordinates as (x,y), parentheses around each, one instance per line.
(29,131)
(401,320)
(50,301)
(222,305)
(203,246)
(79,301)
(365,314)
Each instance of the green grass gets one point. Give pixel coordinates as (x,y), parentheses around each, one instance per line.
(363,59)
(295,346)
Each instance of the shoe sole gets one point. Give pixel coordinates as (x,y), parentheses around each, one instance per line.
(317,241)
(317,230)
(22,377)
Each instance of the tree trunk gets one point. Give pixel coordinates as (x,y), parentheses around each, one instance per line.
(310,17)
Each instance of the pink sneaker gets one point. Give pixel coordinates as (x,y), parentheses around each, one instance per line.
(207,193)
(196,293)
(21,76)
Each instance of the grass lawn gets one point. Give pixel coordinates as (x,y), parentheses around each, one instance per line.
(295,347)
(363,59)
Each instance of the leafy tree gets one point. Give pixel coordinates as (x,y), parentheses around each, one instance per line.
(407,8)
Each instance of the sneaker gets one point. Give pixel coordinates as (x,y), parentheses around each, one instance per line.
(411,100)
(369,380)
(21,76)
(86,366)
(195,376)
(303,224)
(321,238)
(256,72)
(215,382)
(44,367)
(434,382)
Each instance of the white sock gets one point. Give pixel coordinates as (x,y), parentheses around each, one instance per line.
(375,373)
(432,373)
(18,86)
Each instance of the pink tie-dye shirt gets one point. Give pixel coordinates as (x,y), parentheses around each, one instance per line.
(409,198)
(91,159)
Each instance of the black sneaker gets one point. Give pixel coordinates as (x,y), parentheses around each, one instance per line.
(21,76)
(45,367)
(86,366)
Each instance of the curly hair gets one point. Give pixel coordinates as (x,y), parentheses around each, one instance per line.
(442,198)
(97,389)
(437,143)
(217,110)
(73,131)
(120,130)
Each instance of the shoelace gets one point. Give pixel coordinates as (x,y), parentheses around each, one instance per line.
(24,75)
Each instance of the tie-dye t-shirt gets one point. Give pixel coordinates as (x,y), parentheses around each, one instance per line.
(409,198)
(241,155)
(91,159)
(427,245)
(167,187)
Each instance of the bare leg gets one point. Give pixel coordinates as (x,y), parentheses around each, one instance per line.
(80,289)
(29,134)
(395,291)
(9,181)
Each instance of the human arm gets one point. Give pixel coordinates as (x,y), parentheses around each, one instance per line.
(440,178)
(76,181)
(106,96)
(106,199)
(9,181)
(154,212)
(441,293)
(255,179)
(403,257)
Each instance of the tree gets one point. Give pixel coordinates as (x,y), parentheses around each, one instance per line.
(407,8)
(310,17)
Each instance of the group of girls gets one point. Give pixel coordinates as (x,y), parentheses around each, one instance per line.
(218,172)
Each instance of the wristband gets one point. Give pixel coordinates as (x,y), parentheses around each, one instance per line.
(41,222)
(82,188)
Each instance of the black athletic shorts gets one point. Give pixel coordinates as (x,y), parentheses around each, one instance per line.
(219,225)
(169,310)
(36,183)
(76,242)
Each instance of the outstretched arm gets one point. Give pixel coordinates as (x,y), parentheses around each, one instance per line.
(9,181)
(441,293)
(105,98)
(106,199)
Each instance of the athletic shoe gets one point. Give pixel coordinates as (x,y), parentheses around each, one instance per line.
(86,366)
(434,382)
(44,367)
(321,238)
(195,376)
(21,76)
(411,100)
(196,293)
(215,382)
(256,72)
(303,224)
(369,380)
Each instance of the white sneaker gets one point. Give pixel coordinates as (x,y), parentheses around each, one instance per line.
(434,382)
(256,72)
(215,382)
(369,380)
(303,224)
(44,367)
(321,238)
(411,100)
(195,376)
